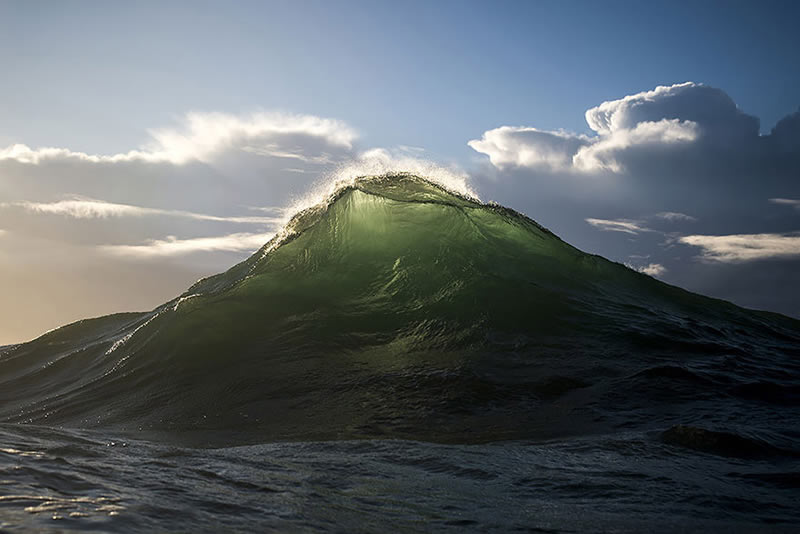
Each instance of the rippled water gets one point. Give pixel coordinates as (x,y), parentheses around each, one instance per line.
(624,483)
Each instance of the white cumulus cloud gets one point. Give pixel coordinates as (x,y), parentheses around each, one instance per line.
(710,108)
(604,153)
(517,146)
(666,117)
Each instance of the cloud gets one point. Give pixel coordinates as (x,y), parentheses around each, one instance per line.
(745,247)
(625,226)
(172,246)
(660,121)
(711,109)
(86,208)
(517,146)
(786,133)
(786,202)
(673,216)
(605,153)
(203,136)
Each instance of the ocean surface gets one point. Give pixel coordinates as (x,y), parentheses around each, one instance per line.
(404,357)
(627,482)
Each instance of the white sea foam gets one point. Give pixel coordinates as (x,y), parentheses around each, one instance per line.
(378,162)
(121,341)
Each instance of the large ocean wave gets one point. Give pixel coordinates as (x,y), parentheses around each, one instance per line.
(401,308)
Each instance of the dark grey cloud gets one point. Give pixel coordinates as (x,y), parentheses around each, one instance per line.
(786,134)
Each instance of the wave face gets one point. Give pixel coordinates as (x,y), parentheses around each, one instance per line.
(398,309)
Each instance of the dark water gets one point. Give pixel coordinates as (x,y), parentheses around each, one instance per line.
(406,358)
(628,482)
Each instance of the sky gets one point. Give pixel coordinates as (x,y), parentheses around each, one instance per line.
(145,145)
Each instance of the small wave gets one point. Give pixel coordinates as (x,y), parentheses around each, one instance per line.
(124,339)
(722,443)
